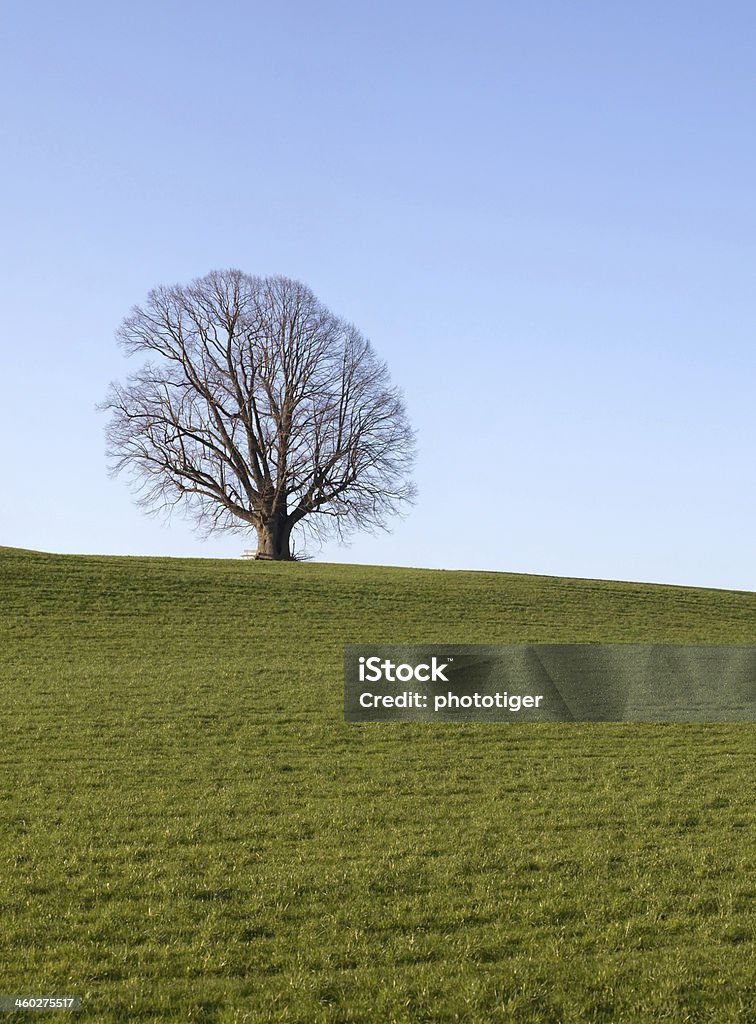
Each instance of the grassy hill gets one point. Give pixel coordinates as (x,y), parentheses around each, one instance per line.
(191,832)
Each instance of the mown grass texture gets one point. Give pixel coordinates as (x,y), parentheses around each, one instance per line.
(190,832)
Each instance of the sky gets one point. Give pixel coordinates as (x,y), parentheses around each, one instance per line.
(542,215)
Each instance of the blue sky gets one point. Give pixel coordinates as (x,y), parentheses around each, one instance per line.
(542,214)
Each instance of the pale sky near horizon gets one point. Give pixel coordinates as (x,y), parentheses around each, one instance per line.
(543,216)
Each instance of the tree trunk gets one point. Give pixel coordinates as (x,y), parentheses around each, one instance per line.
(273,537)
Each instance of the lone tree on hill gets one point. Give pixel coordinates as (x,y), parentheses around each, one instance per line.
(258,408)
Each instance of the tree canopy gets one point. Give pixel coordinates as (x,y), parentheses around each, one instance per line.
(258,409)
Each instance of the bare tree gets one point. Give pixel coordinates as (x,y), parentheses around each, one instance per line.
(258,409)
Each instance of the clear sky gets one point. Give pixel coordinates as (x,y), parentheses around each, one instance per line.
(543,215)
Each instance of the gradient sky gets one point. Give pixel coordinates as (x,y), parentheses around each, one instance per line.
(542,214)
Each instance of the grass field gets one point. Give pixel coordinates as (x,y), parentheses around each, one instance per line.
(191,833)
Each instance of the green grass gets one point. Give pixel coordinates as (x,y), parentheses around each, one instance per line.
(191,833)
